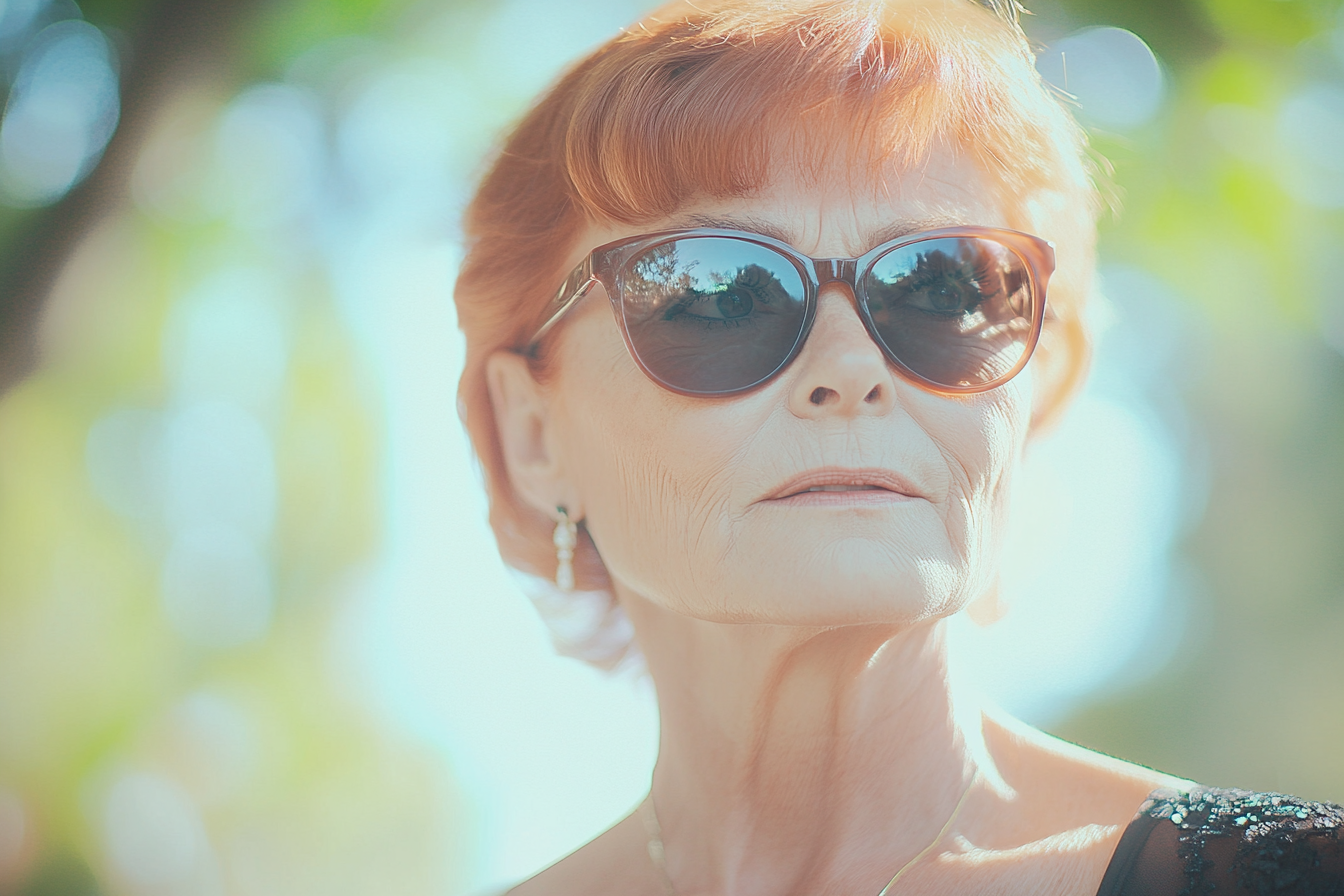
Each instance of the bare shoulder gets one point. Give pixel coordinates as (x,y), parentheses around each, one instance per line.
(1068,807)
(608,864)
(1073,782)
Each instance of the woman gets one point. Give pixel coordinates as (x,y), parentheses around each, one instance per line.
(749,299)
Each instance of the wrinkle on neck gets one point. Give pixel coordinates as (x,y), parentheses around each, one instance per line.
(804,760)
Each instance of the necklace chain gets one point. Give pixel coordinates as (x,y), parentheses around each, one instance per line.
(658,859)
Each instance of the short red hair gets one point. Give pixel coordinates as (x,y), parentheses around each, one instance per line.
(695,101)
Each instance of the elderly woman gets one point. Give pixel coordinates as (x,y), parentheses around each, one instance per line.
(762,302)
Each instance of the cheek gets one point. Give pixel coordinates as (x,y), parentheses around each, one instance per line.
(983,446)
(664,481)
(654,470)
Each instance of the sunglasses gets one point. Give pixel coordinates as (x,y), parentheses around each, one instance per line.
(718,312)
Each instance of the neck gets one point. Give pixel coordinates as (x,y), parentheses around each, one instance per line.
(802,760)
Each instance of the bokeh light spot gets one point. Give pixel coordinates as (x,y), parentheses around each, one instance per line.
(219,469)
(269,156)
(154,835)
(16,17)
(217,588)
(63,108)
(1311,132)
(215,745)
(403,132)
(227,340)
(1114,75)
(122,457)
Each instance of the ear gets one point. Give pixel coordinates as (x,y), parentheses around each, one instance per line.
(522,418)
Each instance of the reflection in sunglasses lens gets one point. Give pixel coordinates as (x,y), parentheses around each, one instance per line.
(709,314)
(955,311)
(715,314)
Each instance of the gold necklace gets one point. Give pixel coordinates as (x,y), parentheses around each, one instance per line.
(654,830)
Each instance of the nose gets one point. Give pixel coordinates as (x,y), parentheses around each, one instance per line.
(840,372)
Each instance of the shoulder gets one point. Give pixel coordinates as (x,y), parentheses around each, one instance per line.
(609,864)
(1202,839)
(1057,813)
(1067,784)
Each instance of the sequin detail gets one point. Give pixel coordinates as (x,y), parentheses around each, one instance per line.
(1261,843)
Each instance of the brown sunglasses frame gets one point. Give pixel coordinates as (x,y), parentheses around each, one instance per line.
(604,263)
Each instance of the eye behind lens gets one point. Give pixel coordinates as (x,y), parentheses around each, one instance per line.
(955,311)
(711,315)
(734,303)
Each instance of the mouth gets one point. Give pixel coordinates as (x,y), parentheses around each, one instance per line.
(835,486)
(842,488)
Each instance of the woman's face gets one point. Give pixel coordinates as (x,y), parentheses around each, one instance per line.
(694,503)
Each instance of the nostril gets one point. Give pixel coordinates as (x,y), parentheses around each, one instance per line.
(875,395)
(820,395)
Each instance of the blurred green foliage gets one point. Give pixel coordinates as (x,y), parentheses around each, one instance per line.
(260,744)
(283,31)
(1207,203)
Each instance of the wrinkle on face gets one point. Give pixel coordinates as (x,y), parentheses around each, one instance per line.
(672,485)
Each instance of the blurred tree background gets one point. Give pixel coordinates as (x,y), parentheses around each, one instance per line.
(1234,196)
(203,208)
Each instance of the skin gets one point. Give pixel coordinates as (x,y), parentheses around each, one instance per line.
(813,738)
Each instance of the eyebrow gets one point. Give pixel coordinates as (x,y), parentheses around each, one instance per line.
(893,231)
(898,229)
(738,222)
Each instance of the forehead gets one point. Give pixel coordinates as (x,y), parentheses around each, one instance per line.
(842,208)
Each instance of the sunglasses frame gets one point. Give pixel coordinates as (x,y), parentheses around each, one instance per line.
(603,265)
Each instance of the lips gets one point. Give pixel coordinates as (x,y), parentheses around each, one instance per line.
(839,481)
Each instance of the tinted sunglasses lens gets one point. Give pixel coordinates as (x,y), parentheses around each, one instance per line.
(957,311)
(711,315)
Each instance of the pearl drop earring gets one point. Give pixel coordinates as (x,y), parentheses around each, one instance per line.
(565,538)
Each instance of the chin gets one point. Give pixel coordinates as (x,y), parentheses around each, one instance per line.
(850,584)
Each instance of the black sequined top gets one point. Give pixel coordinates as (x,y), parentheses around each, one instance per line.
(1229,841)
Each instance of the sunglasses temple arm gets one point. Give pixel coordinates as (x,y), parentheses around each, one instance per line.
(575,291)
